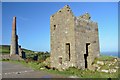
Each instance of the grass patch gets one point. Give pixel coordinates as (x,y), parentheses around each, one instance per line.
(104,57)
(73,71)
(84,73)
(70,71)
(5,49)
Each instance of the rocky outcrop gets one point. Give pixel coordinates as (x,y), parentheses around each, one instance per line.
(107,66)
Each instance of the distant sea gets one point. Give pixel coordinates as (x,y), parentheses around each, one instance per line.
(115,54)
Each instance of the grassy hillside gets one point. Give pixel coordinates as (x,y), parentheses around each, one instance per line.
(5,49)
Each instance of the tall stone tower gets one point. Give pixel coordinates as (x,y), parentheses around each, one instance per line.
(74,40)
(14,39)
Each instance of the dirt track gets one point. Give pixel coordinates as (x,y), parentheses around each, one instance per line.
(14,70)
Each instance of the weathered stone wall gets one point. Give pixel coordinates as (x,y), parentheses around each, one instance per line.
(86,31)
(62,34)
(70,34)
(15,49)
(14,39)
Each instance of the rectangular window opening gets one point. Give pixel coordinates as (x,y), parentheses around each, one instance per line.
(68,51)
(54,27)
(60,60)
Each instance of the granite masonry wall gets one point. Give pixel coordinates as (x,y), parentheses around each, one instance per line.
(74,40)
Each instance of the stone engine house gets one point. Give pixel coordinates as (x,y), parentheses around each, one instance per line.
(74,40)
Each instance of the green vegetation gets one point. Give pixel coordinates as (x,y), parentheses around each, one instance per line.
(87,73)
(104,57)
(70,71)
(5,49)
(28,51)
(43,59)
(91,74)
(36,65)
(38,56)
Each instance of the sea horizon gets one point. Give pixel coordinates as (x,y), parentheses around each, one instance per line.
(115,54)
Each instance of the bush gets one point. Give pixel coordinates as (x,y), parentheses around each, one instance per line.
(40,56)
(42,65)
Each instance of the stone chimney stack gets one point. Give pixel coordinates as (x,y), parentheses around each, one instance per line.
(14,39)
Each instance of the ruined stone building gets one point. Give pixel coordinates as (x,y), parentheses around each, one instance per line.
(15,49)
(74,40)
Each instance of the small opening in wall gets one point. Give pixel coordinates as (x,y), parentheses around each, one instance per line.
(68,10)
(60,11)
(89,17)
(94,41)
(60,60)
(68,51)
(54,27)
(52,15)
(96,29)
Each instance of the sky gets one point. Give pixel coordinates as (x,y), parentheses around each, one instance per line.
(33,22)
(60,0)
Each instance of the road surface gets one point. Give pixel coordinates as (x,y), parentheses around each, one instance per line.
(14,70)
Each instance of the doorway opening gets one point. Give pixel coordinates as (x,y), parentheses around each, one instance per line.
(68,51)
(86,55)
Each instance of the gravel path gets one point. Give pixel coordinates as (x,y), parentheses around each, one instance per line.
(13,70)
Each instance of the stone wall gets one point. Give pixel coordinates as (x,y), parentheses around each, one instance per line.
(15,50)
(62,32)
(14,39)
(86,32)
(69,35)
